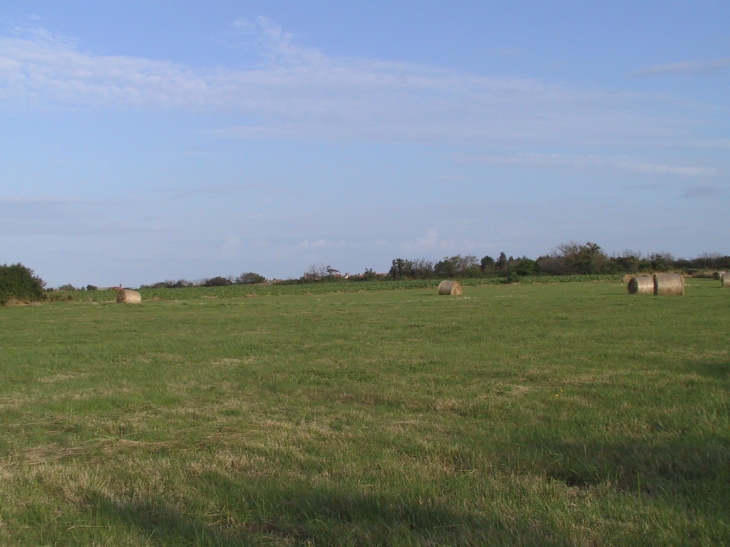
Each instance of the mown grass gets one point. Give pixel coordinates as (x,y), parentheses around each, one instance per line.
(530,414)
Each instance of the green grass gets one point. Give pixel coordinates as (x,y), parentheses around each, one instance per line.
(280,289)
(529,414)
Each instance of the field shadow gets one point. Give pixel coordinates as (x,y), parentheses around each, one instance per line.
(690,468)
(721,370)
(271,513)
(674,458)
(160,524)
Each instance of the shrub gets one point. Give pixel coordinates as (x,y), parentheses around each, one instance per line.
(218,282)
(419,268)
(19,282)
(661,262)
(458,266)
(487,264)
(250,277)
(583,259)
(552,265)
(525,266)
(629,262)
(319,272)
(368,275)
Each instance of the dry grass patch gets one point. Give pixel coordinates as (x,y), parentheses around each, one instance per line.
(61,377)
(519,390)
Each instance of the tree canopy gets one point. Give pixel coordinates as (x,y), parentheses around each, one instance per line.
(20,283)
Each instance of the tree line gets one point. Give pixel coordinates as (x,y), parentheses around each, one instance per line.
(567,259)
(218,281)
(21,283)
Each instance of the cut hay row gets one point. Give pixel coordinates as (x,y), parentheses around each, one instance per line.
(125,296)
(452,288)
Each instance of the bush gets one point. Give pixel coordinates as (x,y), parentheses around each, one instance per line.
(368,275)
(19,282)
(458,266)
(583,259)
(552,265)
(487,264)
(419,268)
(250,277)
(218,282)
(525,266)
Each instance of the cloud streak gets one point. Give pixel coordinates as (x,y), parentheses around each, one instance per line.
(298,92)
(704,192)
(684,67)
(49,216)
(590,162)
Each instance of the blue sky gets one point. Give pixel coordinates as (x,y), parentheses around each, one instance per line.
(152,140)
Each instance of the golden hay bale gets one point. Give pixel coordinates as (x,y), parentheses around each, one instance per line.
(718,275)
(668,284)
(452,288)
(642,284)
(627,278)
(725,280)
(125,296)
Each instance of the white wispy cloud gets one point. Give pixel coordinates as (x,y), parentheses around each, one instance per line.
(709,143)
(429,243)
(41,69)
(684,67)
(592,162)
(54,216)
(318,244)
(277,45)
(298,92)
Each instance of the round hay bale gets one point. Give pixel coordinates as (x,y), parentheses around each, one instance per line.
(641,285)
(452,288)
(125,296)
(627,278)
(668,284)
(725,281)
(718,275)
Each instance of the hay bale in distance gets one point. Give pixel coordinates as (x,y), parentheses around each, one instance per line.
(125,296)
(641,285)
(718,275)
(452,288)
(725,280)
(627,278)
(668,284)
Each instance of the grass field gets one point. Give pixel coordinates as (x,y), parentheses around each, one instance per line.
(523,414)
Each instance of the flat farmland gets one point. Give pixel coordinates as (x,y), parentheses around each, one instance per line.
(534,414)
